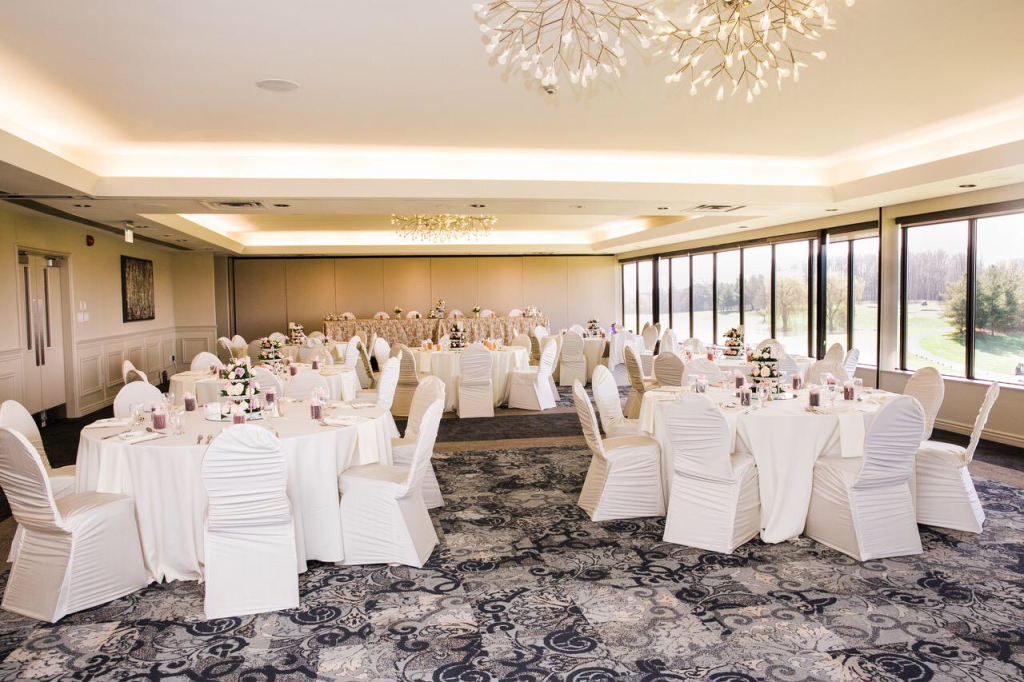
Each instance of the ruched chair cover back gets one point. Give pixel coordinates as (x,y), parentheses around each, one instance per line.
(609,405)
(250,560)
(301,385)
(387,383)
(135,392)
(267,379)
(203,360)
(669,343)
(624,478)
(650,337)
(694,345)
(835,352)
(431,389)
(574,362)
(776,347)
(639,384)
(714,502)
(475,392)
(381,352)
(408,380)
(863,506)
(668,369)
(927,385)
(74,554)
(523,341)
(530,388)
(235,346)
(816,374)
(851,361)
(702,367)
(130,373)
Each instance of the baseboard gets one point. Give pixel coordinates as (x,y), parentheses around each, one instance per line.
(988,434)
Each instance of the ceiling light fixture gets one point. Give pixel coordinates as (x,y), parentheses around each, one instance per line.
(282,205)
(663,208)
(577,39)
(831,210)
(83,205)
(968,186)
(478,205)
(443,228)
(277,85)
(129,232)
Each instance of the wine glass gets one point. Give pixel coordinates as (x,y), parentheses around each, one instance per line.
(136,412)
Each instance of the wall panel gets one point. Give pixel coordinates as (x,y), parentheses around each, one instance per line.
(260,297)
(500,283)
(590,291)
(359,286)
(311,291)
(456,281)
(545,286)
(407,284)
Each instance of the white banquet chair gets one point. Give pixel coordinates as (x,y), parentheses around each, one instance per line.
(787,364)
(862,506)
(669,344)
(301,386)
(609,405)
(624,478)
(381,315)
(487,314)
(835,352)
(669,369)
(76,552)
(135,392)
(203,360)
(694,345)
(130,374)
(515,312)
(530,387)
(639,383)
(573,365)
(927,385)
(817,372)
(381,351)
(314,341)
(384,394)
(408,380)
(556,340)
(944,493)
(355,357)
(578,328)
(650,337)
(253,351)
(537,336)
(445,342)
(314,335)
(267,379)
(776,347)
(348,315)
(384,518)
(319,352)
(455,314)
(414,315)
(474,391)
(523,341)
(851,361)
(702,366)
(279,337)
(714,503)
(403,449)
(250,562)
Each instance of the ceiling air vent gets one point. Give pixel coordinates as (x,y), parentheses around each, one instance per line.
(234,205)
(712,208)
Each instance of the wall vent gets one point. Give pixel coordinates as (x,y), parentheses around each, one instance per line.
(234,205)
(712,208)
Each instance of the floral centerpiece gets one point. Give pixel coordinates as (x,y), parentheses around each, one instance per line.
(331,317)
(438,313)
(457,335)
(531,311)
(476,311)
(270,351)
(241,388)
(398,313)
(734,341)
(765,369)
(296,333)
(594,327)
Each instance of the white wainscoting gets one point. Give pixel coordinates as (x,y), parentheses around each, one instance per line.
(11,376)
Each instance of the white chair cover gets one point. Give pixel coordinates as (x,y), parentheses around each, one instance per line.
(578,328)
(267,379)
(203,360)
(862,506)
(75,553)
(703,366)
(253,351)
(381,351)
(348,315)
(249,538)
(487,314)
(381,316)
(356,357)
(515,312)
(325,356)
(352,352)
(135,392)
(835,352)
(695,346)
(944,493)
(384,519)
(403,449)
(302,384)
(650,337)
(316,335)
(530,387)
(928,387)
(787,364)
(455,315)
(609,406)
(624,478)
(851,362)
(314,341)
(776,347)
(817,372)
(573,366)
(669,344)
(639,384)
(474,390)
(278,336)
(556,340)
(129,373)
(714,503)
(408,380)
(445,342)
(523,341)
(668,369)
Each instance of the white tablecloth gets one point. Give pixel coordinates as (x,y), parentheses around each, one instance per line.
(730,365)
(343,382)
(445,365)
(785,441)
(164,478)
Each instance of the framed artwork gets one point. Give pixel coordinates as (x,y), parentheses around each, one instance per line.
(137,299)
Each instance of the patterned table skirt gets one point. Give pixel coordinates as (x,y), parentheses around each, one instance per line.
(413,332)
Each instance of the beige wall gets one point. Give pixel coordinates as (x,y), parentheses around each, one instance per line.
(269,293)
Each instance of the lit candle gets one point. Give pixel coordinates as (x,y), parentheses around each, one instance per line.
(798,382)
(293,370)
(238,415)
(848,391)
(159,419)
(814,397)
(740,379)
(744,396)
(316,363)
(190,402)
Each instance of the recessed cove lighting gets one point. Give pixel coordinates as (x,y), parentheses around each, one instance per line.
(478,205)
(741,227)
(967,186)
(83,205)
(282,205)
(277,85)
(181,240)
(831,210)
(663,208)
(577,206)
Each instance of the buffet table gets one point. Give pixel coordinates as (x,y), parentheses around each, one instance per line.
(413,332)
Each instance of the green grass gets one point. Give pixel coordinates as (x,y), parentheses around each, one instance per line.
(932,341)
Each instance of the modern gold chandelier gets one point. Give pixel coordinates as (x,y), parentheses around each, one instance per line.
(443,228)
(729,46)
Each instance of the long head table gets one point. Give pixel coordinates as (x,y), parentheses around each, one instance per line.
(413,332)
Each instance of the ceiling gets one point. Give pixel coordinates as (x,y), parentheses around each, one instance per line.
(144,109)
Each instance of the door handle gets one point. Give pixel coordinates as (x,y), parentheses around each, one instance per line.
(40,347)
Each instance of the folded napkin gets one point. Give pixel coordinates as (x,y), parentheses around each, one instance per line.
(109,422)
(362,403)
(195,373)
(133,437)
(851,433)
(347,420)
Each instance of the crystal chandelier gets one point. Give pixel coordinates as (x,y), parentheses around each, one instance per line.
(739,44)
(575,38)
(443,228)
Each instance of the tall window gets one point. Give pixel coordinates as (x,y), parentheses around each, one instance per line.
(663,292)
(703,297)
(999,299)
(935,313)
(792,291)
(629,296)
(757,287)
(645,284)
(727,292)
(681,296)
(865,299)
(837,299)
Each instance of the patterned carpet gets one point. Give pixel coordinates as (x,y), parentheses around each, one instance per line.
(525,587)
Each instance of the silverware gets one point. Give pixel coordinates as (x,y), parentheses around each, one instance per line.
(199,439)
(149,440)
(114,435)
(209,439)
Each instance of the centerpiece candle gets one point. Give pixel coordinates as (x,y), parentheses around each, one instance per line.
(814,397)
(315,363)
(270,395)
(798,382)
(293,369)
(744,396)
(238,415)
(848,391)
(740,379)
(316,410)
(190,402)
(159,418)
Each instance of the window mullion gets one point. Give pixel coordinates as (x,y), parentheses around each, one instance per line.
(972,285)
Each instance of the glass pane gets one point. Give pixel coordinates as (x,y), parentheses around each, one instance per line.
(865,302)
(999,300)
(937,297)
(728,292)
(791,282)
(663,289)
(757,280)
(681,297)
(837,294)
(703,277)
(645,281)
(629,296)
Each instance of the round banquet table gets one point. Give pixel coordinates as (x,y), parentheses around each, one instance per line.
(342,382)
(445,365)
(730,365)
(785,441)
(164,479)
(593,349)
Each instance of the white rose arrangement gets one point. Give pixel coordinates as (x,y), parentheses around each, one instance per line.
(241,386)
(765,369)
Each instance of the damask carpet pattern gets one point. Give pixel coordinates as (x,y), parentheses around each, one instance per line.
(524,587)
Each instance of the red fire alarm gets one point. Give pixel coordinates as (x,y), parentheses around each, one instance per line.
(89,240)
